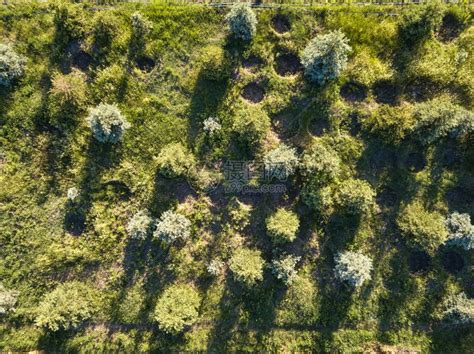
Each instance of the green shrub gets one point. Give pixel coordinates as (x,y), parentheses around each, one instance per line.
(68,95)
(353,268)
(318,198)
(130,306)
(12,65)
(108,83)
(141,29)
(422,228)
(242,21)
(174,160)
(284,269)
(107,123)
(104,29)
(239,214)
(177,308)
(216,65)
(355,196)
(69,22)
(251,124)
(8,299)
(418,25)
(283,225)
(281,162)
(321,163)
(140,225)
(67,306)
(366,68)
(172,226)
(461,231)
(325,57)
(459,310)
(247,266)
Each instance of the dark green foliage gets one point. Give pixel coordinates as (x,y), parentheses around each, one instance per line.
(419,25)
(70,23)
(104,29)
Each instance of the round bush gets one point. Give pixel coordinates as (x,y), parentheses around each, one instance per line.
(139,225)
(285,269)
(459,310)
(175,160)
(247,266)
(321,162)
(355,196)
(353,268)
(66,307)
(365,69)
(422,228)
(107,123)
(283,225)
(105,29)
(141,28)
(242,21)
(177,308)
(461,231)
(319,198)
(281,162)
(215,63)
(325,57)
(12,65)
(68,94)
(8,299)
(172,226)
(251,124)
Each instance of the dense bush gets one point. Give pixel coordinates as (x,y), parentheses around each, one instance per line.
(141,29)
(353,268)
(461,231)
(419,25)
(325,57)
(73,193)
(242,21)
(422,228)
(131,304)
(281,162)
(247,266)
(66,307)
(355,196)
(8,299)
(283,225)
(177,308)
(174,160)
(107,123)
(211,125)
(215,267)
(215,63)
(239,214)
(68,95)
(12,65)
(284,269)
(321,163)
(140,225)
(104,30)
(251,124)
(319,198)
(69,22)
(172,226)
(459,310)
(366,68)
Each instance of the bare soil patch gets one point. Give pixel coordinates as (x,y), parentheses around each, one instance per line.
(452,261)
(419,262)
(386,92)
(75,222)
(415,162)
(353,92)
(82,60)
(281,23)
(253,92)
(252,62)
(145,64)
(287,64)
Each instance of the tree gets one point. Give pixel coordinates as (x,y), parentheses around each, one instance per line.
(239,214)
(215,63)
(139,225)
(177,308)
(284,268)
(172,226)
(459,310)
(422,228)
(69,22)
(67,306)
(141,28)
(242,21)
(67,94)
(321,162)
(325,57)
(247,266)
(353,268)
(355,196)
(281,162)
(283,225)
(251,124)
(8,299)
(104,30)
(12,65)
(107,123)
(461,231)
(175,160)
(419,25)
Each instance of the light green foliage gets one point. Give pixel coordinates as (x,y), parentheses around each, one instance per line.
(215,63)
(8,299)
(251,124)
(140,225)
(68,95)
(422,228)
(321,163)
(284,269)
(247,266)
(108,83)
(459,310)
(283,225)
(461,231)
(239,214)
(177,308)
(366,68)
(172,226)
(12,65)
(130,306)
(102,340)
(141,29)
(66,307)
(281,162)
(325,57)
(439,118)
(355,196)
(107,123)
(353,268)
(319,198)
(175,160)
(242,21)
